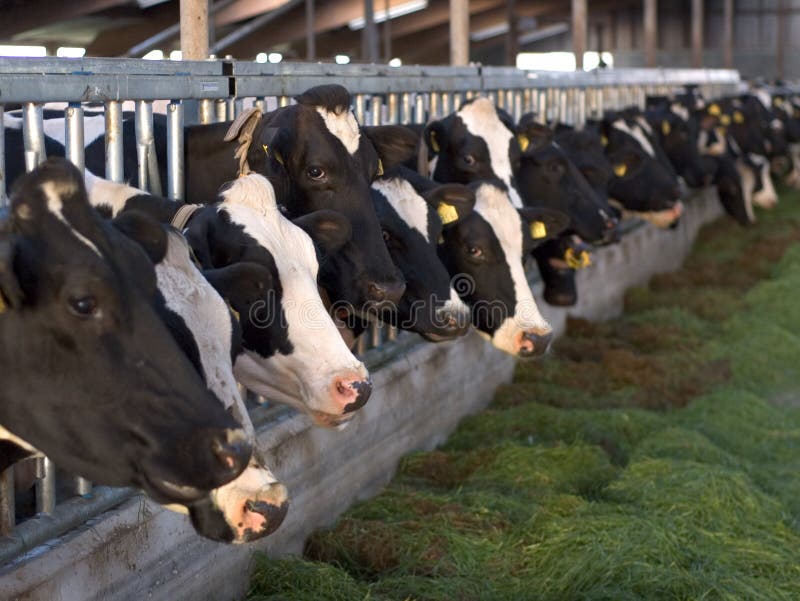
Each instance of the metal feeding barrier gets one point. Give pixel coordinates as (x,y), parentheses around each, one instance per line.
(209,91)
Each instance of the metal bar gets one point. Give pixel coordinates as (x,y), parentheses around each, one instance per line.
(45,485)
(73,135)
(284,101)
(406,112)
(375,333)
(369,35)
(435,106)
(113,137)
(83,487)
(727,34)
(419,108)
(33,135)
(7,502)
(145,145)
(392,109)
(3,196)
(205,114)
(359,108)
(361,345)
(175,150)
(221,111)
(375,108)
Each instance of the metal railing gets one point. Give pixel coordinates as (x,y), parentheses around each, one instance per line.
(211,91)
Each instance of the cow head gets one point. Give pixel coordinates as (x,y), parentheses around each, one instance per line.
(676,129)
(80,310)
(254,503)
(266,267)
(331,162)
(484,254)
(475,143)
(413,211)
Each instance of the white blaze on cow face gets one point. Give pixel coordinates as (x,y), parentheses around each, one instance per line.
(53,191)
(766,197)
(307,377)
(494,206)
(637,134)
(481,120)
(748,179)
(409,205)
(205,314)
(108,194)
(680,111)
(343,126)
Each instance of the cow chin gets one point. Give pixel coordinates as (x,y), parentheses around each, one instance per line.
(249,508)
(305,385)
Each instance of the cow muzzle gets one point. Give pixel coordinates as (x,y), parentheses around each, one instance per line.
(533,344)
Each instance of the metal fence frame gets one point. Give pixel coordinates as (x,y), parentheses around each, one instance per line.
(208,91)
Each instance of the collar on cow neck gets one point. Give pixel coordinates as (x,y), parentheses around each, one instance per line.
(183,215)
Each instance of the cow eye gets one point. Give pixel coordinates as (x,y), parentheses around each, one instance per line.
(469,159)
(386,235)
(316,173)
(83,306)
(475,251)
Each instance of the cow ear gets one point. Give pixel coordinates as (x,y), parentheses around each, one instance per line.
(328,229)
(145,231)
(395,144)
(272,143)
(543,223)
(505,118)
(197,235)
(453,202)
(434,136)
(235,281)
(532,135)
(10,290)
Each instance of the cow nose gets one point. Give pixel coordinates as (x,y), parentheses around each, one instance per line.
(451,324)
(352,393)
(232,451)
(532,344)
(272,511)
(390,291)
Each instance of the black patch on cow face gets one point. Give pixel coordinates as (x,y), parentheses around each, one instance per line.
(559,280)
(86,320)
(249,281)
(427,280)
(471,249)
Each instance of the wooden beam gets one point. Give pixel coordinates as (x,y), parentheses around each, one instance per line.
(245,9)
(24,16)
(650,32)
(579,31)
(512,37)
(783,22)
(437,13)
(194,29)
(311,43)
(369,35)
(697,33)
(727,34)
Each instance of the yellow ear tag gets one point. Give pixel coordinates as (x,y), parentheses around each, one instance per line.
(538,230)
(447,213)
(524,142)
(266,149)
(777,101)
(713,109)
(434,142)
(278,156)
(620,170)
(380,167)
(584,259)
(738,117)
(665,128)
(725,120)
(604,140)
(234,311)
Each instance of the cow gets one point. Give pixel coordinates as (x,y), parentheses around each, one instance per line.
(484,254)
(266,267)
(253,504)
(413,211)
(480,142)
(92,377)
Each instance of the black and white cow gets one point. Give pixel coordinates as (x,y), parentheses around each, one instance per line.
(480,142)
(253,504)
(413,211)
(484,254)
(266,267)
(80,314)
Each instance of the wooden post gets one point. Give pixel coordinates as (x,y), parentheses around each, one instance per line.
(194,30)
(697,33)
(387,33)
(311,40)
(780,53)
(727,35)
(459,32)
(579,31)
(369,37)
(512,37)
(650,32)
